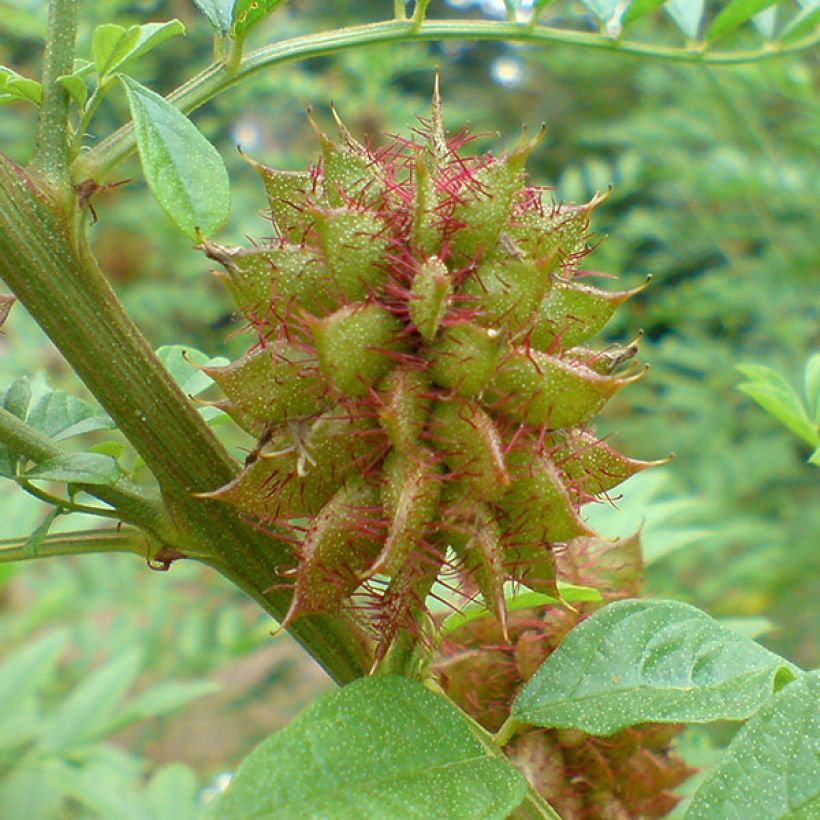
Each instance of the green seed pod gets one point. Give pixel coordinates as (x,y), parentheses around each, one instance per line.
(404,397)
(475,536)
(273,384)
(348,170)
(509,289)
(605,361)
(274,279)
(471,447)
(410,496)
(429,297)
(485,209)
(544,390)
(573,313)
(297,472)
(340,542)
(287,195)
(464,358)
(559,230)
(426,234)
(592,465)
(537,483)
(353,244)
(353,345)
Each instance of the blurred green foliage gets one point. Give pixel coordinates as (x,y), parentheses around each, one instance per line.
(714,188)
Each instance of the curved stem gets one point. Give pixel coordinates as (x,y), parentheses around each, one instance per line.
(217,78)
(64,503)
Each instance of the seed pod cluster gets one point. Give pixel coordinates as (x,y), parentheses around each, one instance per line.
(420,385)
(633,773)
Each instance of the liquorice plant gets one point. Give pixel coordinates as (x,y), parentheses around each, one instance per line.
(420,386)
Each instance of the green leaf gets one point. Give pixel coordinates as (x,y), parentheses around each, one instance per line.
(165,697)
(380,747)
(218,12)
(812,385)
(77,468)
(610,13)
(247,13)
(640,661)
(76,88)
(60,416)
(801,24)
(638,8)
(687,15)
(520,600)
(183,170)
(111,44)
(769,769)
(84,715)
(16,88)
(814,458)
(29,666)
(775,395)
(150,36)
(765,21)
(171,793)
(34,541)
(182,363)
(55,413)
(735,14)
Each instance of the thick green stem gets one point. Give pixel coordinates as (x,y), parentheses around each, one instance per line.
(50,161)
(82,542)
(217,78)
(66,294)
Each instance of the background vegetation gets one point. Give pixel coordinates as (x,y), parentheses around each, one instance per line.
(714,189)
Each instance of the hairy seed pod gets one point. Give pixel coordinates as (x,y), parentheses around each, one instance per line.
(418,387)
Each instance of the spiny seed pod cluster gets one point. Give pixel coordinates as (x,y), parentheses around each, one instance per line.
(420,388)
(630,774)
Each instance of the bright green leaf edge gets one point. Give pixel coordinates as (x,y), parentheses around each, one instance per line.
(520,600)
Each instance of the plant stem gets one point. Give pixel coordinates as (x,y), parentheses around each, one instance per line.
(58,281)
(136,505)
(505,733)
(50,161)
(533,806)
(82,542)
(216,78)
(63,503)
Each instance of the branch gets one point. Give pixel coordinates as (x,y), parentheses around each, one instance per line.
(217,78)
(82,542)
(134,504)
(50,162)
(62,288)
